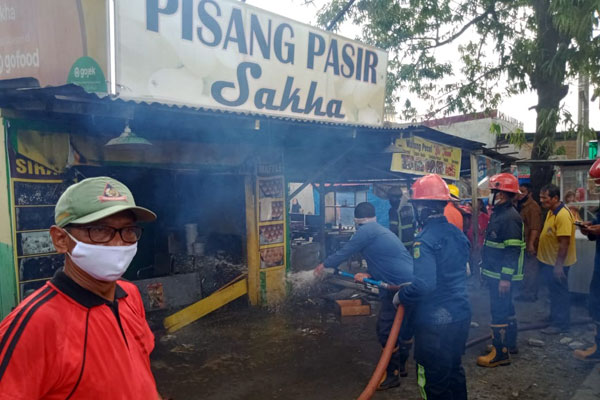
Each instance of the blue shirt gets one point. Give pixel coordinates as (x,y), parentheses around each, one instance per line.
(387,258)
(439,289)
(596,221)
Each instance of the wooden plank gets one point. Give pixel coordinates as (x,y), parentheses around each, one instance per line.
(205,306)
(252,239)
(353,307)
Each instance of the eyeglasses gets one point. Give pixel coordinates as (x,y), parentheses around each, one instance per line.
(104,234)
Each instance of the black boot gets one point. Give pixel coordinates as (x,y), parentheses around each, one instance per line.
(392,373)
(499,354)
(511,336)
(403,355)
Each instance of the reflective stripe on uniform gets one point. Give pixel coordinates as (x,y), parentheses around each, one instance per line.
(406,244)
(490,274)
(408,226)
(496,275)
(421,380)
(393,222)
(494,245)
(514,242)
(505,244)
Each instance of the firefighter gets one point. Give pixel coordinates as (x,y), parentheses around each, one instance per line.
(451,211)
(402,220)
(503,252)
(592,230)
(388,261)
(441,314)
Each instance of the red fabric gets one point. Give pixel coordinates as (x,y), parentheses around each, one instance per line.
(47,339)
(482,222)
(453,216)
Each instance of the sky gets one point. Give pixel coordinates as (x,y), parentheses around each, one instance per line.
(515,107)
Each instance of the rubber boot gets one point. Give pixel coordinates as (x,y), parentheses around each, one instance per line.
(403,354)
(499,354)
(391,378)
(592,353)
(511,336)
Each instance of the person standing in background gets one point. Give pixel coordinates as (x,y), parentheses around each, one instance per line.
(592,230)
(296,207)
(569,200)
(402,219)
(531,213)
(451,211)
(557,254)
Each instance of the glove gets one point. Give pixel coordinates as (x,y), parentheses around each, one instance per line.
(361,276)
(396,299)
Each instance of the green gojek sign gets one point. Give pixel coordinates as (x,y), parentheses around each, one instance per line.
(86,73)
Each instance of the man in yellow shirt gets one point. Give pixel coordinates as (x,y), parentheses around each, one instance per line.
(556,252)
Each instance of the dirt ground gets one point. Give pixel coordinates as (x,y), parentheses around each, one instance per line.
(304,351)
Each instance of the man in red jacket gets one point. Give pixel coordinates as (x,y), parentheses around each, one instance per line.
(84,334)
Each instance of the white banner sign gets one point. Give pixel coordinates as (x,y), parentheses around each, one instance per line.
(226,54)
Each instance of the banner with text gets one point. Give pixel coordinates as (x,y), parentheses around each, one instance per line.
(227,54)
(56,42)
(420,156)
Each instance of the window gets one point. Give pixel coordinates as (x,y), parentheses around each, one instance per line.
(339,207)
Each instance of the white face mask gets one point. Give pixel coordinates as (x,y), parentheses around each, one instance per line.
(105,263)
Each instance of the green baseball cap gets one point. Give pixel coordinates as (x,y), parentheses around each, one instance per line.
(96,198)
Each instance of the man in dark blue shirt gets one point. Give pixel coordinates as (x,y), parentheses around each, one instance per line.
(592,230)
(441,313)
(387,261)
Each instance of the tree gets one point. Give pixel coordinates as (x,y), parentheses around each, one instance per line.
(504,47)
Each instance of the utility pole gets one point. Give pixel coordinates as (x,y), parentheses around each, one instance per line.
(583,112)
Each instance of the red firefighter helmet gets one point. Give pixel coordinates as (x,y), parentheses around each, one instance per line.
(505,182)
(430,187)
(595,170)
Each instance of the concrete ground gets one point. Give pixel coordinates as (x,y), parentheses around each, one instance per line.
(304,351)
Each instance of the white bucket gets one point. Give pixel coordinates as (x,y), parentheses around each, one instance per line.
(191,234)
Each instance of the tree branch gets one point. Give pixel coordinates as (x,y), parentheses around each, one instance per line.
(462,30)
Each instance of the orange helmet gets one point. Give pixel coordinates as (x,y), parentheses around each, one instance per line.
(430,187)
(505,182)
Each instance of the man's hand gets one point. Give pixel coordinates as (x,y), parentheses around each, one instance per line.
(531,250)
(591,230)
(360,277)
(319,271)
(559,274)
(503,287)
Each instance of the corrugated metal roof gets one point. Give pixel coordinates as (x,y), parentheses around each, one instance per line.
(13,91)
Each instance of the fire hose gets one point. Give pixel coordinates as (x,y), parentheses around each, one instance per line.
(386,355)
(532,327)
(392,339)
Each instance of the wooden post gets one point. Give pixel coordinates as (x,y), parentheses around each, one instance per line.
(322,234)
(252,253)
(474,202)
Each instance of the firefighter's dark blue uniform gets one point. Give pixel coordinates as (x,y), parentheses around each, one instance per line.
(441,310)
(503,255)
